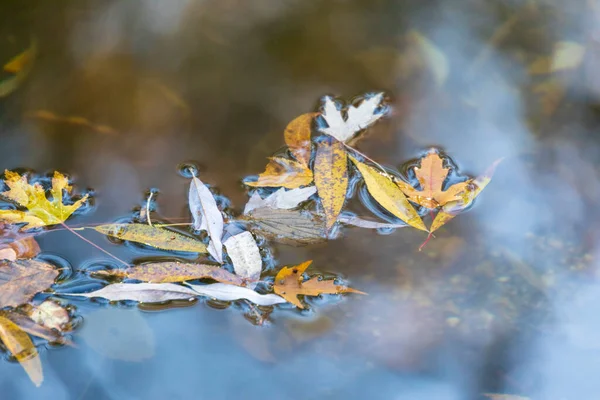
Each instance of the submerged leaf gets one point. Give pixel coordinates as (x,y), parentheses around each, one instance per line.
(20,66)
(224,292)
(32,328)
(22,348)
(389,195)
(22,279)
(359,118)
(567,55)
(295,227)
(33,197)
(289,284)
(281,198)
(245,257)
(142,292)
(49,116)
(153,236)
(331,178)
(165,272)
(285,173)
(434,58)
(297,137)
(207,216)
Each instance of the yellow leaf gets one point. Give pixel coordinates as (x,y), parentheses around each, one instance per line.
(331,178)
(16,217)
(389,195)
(22,348)
(283,172)
(33,197)
(20,65)
(297,137)
(153,236)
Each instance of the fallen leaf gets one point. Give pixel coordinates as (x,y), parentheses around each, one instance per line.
(142,292)
(50,315)
(49,116)
(29,326)
(434,58)
(285,173)
(22,279)
(473,188)
(431,175)
(499,396)
(331,178)
(207,216)
(389,195)
(224,292)
(294,227)
(289,284)
(567,55)
(363,223)
(358,118)
(26,247)
(22,348)
(20,66)
(153,236)
(245,257)
(550,93)
(297,137)
(40,211)
(281,198)
(165,272)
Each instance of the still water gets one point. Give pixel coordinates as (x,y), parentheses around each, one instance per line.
(503,300)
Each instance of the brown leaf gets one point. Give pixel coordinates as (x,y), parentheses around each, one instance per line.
(331,178)
(164,272)
(29,326)
(294,227)
(282,172)
(22,248)
(50,315)
(22,348)
(289,284)
(297,137)
(21,280)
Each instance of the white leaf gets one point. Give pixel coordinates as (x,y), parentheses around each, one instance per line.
(222,291)
(363,223)
(358,119)
(567,55)
(245,256)
(142,292)
(207,216)
(282,198)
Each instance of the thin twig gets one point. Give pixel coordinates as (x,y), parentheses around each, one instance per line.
(93,244)
(368,158)
(148,208)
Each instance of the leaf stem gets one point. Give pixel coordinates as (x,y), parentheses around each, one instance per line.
(370,159)
(93,244)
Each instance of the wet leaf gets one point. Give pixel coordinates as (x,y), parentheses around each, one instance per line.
(32,328)
(224,292)
(331,178)
(142,292)
(295,227)
(207,216)
(245,257)
(289,284)
(434,58)
(473,188)
(550,93)
(499,396)
(22,348)
(431,175)
(49,116)
(567,55)
(153,236)
(165,272)
(281,198)
(26,247)
(285,173)
(20,66)
(22,279)
(40,211)
(297,137)
(50,315)
(363,223)
(389,195)
(358,118)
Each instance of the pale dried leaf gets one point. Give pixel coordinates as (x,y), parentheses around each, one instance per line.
(207,216)
(245,257)
(142,292)
(363,223)
(284,199)
(50,314)
(358,118)
(294,227)
(224,292)
(567,55)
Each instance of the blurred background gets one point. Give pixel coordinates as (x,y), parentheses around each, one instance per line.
(503,300)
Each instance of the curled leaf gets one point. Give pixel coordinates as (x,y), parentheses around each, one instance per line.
(207,216)
(223,292)
(285,173)
(245,256)
(142,292)
(331,178)
(22,348)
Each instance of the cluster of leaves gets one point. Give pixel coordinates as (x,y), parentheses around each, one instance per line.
(316,166)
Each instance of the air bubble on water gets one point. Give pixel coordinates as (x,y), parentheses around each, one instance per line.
(189,169)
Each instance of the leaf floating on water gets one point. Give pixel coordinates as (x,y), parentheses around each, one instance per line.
(567,55)
(224,292)
(499,396)
(389,195)
(32,328)
(297,137)
(331,178)
(289,284)
(153,236)
(207,216)
(245,257)
(285,173)
(26,247)
(40,211)
(359,118)
(50,315)
(142,292)
(434,58)
(22,348)
(295,227)
(22,279)
(364,223)
(20,66)
(49,116)
(165,272)
(281,198)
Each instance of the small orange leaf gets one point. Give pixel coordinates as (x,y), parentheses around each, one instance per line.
(289,284)
(297,137)
(282,172)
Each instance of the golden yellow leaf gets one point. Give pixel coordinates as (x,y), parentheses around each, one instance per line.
(331,178)
(153,236)
(33,197)
(297,137)
(22,348)
(389,195)
(289,284)
(283,172)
